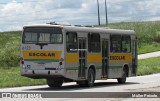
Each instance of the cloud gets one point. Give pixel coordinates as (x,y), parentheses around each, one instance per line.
(14,15)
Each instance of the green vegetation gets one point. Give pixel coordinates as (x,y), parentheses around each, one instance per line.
(148,34)
(152,47)
(149,66)
(10,49)
(12,78)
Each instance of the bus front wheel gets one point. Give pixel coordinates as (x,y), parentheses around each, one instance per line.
(122,80)
(54,83)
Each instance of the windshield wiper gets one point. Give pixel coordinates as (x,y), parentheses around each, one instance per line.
(42,44)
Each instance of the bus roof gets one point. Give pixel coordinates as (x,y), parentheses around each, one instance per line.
(86,29)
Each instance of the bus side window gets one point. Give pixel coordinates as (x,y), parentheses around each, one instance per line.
(71,42)
(89,42)
(116,43)
(126,44)
(94,42)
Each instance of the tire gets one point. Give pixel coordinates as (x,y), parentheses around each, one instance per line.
(90,78)
(54,83)
(122,80)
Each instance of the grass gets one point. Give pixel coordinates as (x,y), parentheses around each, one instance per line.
(146,48)
(149,66)
(148,28)
(10,48)
(11,78)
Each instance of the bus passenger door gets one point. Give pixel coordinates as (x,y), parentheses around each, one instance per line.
(134,57)
(105,57)
(82,58)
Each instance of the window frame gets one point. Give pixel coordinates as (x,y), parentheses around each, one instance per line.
(38,33)
(29,42)
(76,42)
(90,50)
(39,36)
(111,43)
(129,43)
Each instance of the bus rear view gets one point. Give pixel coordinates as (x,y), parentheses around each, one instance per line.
(60,53)
(41,52)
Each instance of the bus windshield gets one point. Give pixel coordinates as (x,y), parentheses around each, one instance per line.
(42,35)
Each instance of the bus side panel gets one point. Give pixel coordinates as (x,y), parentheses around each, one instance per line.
(71,62)
(71,66)
(117,62)
(95,60)
(115,70)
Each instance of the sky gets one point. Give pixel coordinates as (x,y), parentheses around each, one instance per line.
(14,14)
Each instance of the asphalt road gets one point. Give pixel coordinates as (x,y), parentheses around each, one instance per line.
(111,85)
(149,55)
(133,84)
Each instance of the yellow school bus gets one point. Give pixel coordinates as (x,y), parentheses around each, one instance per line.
(61,53)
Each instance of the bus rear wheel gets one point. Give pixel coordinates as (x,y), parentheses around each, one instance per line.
(54,83)
(122,80)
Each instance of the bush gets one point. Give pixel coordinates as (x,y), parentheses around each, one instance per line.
(145,38)
(157,37)
(10,49)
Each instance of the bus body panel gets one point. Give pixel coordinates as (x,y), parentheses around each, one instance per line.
(46,67)
(42,60)
(42,64)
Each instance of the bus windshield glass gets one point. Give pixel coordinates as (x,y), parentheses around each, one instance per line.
(42,35)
